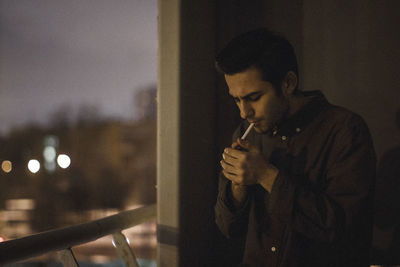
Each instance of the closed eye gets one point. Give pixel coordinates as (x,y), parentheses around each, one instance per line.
(252,97)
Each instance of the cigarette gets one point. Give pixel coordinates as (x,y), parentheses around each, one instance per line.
(247,131)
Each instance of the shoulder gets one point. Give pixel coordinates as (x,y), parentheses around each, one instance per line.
(337,113)
(349,134)
(341,131)
(340,119)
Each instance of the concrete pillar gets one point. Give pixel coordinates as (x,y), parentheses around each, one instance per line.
(168,133)
(186,132)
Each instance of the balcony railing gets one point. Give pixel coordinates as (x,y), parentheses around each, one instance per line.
(63,239)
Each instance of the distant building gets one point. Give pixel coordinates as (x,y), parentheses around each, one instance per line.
(146,104)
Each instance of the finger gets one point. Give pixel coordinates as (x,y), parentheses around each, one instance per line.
(234,144)
(234,153)
(228,168)
(230,176)
(230,160)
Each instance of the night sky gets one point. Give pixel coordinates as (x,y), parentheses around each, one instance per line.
(56,53)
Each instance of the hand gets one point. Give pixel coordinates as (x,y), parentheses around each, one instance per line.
(247,166)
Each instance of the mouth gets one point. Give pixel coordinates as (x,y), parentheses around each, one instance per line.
(256,123)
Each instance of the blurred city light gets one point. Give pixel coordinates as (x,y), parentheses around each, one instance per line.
(51,140)
(63,161)
(49,153)
(20,204)
(33,166)
(2,239)
(6,166)
(50,166)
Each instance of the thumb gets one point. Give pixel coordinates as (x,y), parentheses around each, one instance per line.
(243,143)
(246,145)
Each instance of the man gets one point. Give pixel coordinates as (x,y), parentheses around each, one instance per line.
(299,188)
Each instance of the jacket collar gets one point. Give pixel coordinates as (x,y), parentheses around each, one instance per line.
(297,122)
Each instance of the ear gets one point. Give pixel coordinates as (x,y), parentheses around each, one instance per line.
(289,84)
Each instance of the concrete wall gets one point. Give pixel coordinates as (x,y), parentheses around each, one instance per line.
(351,52)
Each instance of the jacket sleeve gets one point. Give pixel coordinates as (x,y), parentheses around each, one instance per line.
(341,207)
(231,222)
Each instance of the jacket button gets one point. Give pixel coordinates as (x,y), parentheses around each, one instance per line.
(284,137)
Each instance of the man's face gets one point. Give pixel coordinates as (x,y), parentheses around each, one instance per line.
(256,99)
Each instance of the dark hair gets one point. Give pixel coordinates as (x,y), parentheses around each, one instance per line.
(261,48)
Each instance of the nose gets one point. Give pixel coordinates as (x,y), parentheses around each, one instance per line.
(246,110)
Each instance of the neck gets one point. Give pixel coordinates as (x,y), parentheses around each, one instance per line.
(293,104)
(296,102)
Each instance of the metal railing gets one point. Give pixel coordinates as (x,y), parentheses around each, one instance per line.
(63,239)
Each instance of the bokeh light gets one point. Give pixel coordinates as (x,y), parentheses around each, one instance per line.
(6,166)
(63,161)
(49,153)
(33,166)
(50,165)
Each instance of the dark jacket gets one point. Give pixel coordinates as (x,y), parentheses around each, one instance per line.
(319,212)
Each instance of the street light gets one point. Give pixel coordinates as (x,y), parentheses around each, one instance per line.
(6,166)
(63,161)
(33,166)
